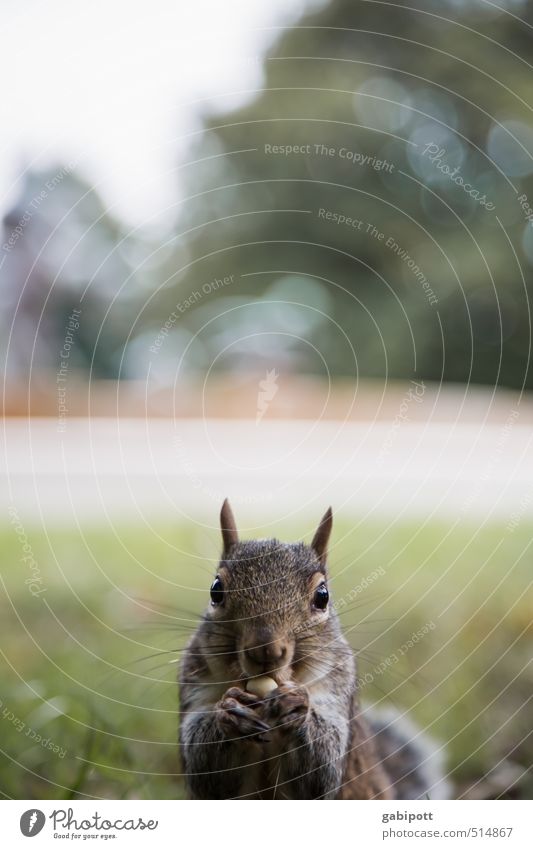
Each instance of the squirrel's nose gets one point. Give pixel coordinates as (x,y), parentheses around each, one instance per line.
(266,652)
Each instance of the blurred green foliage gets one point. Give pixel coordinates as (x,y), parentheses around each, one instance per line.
(91,664)
(386,108)
(381,81)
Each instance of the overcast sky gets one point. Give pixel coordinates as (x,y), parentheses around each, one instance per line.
(113,85)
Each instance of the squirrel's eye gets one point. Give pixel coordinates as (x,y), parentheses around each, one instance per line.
(217,591)
(321,597)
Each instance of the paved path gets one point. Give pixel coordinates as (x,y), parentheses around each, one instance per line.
(132,468)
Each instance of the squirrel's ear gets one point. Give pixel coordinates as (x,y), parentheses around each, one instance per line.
(228,526)
(321,538)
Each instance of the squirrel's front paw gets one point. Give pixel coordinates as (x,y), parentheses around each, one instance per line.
(287,707)
(237,718)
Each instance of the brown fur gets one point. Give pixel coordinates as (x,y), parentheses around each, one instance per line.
(307,739)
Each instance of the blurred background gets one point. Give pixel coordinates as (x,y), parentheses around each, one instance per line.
(283,253)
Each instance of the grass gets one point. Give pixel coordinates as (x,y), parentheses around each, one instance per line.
(90,664)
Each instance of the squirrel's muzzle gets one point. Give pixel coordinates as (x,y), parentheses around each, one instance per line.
(263,652)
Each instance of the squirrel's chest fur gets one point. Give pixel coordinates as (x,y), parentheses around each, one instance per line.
(204,680)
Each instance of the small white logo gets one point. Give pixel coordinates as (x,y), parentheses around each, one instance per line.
(267,391)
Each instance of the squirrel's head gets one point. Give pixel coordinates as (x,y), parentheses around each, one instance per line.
(269,605)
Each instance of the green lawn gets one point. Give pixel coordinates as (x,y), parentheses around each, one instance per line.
(90,664)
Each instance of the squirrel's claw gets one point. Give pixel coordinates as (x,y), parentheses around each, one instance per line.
(288,706)
(241,696)
(238,720)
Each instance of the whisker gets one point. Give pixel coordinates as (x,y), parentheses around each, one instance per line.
(164,604)
(363,602)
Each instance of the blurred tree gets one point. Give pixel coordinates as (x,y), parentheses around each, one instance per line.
(62,251)
(378,110)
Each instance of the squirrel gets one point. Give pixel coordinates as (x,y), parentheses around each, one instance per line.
(269,615)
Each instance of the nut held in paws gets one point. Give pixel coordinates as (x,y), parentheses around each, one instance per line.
(261,686)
